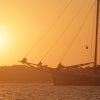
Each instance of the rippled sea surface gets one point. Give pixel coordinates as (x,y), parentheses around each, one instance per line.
(31,91)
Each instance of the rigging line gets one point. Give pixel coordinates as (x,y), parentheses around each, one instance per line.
(92,31)
(69,47)
(62,34)
(90,40)
(92,45)
(54,23)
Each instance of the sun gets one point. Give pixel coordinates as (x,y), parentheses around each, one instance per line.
(5,40)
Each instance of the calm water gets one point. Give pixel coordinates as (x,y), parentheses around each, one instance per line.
(29,91)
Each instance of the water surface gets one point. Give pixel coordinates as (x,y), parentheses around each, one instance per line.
(31,91)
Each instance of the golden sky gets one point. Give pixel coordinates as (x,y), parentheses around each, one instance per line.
(24,22)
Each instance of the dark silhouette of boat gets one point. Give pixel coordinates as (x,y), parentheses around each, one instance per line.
(70,75)
(75,74)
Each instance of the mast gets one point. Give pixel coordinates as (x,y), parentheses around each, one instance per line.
(96,40)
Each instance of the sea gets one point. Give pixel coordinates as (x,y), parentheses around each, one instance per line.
(47,91)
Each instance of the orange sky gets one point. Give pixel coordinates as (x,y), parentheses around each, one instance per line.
(25,21)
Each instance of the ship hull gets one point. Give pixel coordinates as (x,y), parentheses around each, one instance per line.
(67,78)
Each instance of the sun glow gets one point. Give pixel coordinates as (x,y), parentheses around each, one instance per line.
(5,40)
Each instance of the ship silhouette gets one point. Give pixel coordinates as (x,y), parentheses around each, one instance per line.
(75,74)
(79,74)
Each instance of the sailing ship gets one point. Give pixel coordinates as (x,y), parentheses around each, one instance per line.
(75,74)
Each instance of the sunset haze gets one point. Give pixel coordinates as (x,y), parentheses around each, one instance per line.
(45,29)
